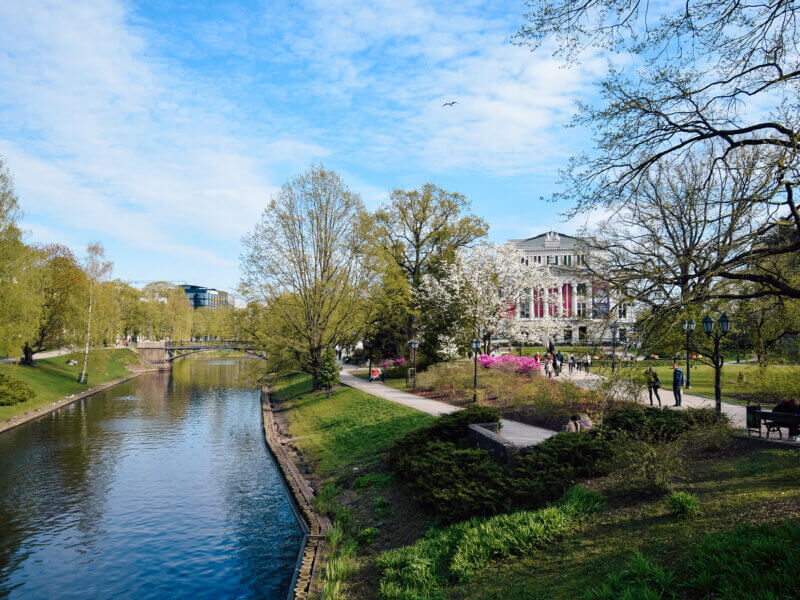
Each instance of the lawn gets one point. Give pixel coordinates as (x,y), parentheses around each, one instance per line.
(53,379)
(756,485)
(702,378)
(348,429)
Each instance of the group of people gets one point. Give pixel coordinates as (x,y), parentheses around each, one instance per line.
(553,362)
(654,384)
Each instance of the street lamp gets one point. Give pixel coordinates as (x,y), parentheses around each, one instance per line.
(476,345)
(688,327)
(724,327)
(614,329)
(414,346)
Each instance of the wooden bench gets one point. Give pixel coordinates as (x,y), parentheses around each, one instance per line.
(772,421)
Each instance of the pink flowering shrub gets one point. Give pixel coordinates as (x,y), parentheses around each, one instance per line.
(393,362)
(510,363)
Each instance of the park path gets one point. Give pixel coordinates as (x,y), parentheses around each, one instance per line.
(736,412)
(519,434)
(38,355)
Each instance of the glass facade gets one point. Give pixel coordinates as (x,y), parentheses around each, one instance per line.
(202,296)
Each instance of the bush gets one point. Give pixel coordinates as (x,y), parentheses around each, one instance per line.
(455,482)
(13,391)
(657,425)
(460,551)
(329,372)
(366,536)
(683,504)
(645,469)
(544,471)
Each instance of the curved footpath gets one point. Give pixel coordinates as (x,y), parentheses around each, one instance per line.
(519,434)
(736,412)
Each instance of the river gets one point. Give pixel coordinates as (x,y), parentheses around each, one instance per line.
(161,487)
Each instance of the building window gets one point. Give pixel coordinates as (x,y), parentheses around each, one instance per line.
(568,334)
(567,260)
(581,309)
(580,260)
(581,289)
(581,334)
(622,311)
(623,335)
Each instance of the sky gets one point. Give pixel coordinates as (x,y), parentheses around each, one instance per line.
(161,129)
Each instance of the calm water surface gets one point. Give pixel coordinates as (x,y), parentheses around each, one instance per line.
(158,488)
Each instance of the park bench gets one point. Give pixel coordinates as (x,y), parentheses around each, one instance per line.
(772,421)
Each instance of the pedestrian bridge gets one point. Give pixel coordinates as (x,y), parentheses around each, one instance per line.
(161,354)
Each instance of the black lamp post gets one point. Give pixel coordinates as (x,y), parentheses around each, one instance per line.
(414,346)
(476,345)
(688,327)
(370,345)
(724,327)
(614,329)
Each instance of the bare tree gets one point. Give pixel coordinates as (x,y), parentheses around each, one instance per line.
(720,75)
(300,262)
(96,269)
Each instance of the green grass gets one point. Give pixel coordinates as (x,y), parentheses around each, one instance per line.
(702,379)
(754,486)
(348,429)
(53,379)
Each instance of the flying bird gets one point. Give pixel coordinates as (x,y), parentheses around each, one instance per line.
(450,103)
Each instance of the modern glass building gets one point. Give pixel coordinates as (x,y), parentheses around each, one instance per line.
(203,296)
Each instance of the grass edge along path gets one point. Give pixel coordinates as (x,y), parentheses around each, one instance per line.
(52,379)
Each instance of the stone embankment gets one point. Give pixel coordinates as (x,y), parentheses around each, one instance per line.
(307,582)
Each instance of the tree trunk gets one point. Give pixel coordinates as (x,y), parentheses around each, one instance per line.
(27,356)
(82,378)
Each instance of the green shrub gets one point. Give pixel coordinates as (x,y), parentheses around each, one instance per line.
(460,551)
(683,504)
(645,469)
(371,480)
(639,579)
(328,376)
(455,482)
(13,391)
(366,536)
(656,425)
(335,536)
(324,502)
(544,471)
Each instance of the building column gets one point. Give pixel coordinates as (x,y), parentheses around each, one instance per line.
(574,288)
(559,301)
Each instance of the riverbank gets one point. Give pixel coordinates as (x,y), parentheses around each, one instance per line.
(736,482)
(55,383)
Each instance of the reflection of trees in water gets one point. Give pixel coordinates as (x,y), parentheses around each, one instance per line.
(242,373)
(59,469)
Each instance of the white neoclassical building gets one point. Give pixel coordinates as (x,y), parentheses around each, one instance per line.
(580,303)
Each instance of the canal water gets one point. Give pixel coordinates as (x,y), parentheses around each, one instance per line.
(158,488)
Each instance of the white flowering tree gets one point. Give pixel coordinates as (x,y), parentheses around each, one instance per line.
(480,292)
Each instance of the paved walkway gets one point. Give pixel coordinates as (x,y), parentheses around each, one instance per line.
(38,355)
(736,412)
(519,434)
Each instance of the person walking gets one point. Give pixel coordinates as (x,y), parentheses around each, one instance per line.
(587,362)
(548,365)
(678,381)
(571,362)
(653,383)
(559,362)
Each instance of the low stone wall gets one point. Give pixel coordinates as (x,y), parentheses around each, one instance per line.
(485,436)
(307,582)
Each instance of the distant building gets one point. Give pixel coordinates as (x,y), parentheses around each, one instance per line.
(203,296)
(582,304)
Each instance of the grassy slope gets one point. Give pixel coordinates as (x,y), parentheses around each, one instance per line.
(52,379)
(350,428)
(757,485)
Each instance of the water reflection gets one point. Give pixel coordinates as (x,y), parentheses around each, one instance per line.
(158,488)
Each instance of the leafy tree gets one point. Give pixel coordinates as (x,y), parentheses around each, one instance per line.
(415,234)
(301,263)
(20,307)
(711,78)
(329,371)
(96,269)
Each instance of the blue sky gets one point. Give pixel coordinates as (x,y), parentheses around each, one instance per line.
(162,128)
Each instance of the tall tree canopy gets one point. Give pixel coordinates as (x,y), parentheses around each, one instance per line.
(715,78)
(301,261)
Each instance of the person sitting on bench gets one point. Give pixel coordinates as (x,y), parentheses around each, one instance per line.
(790,406)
